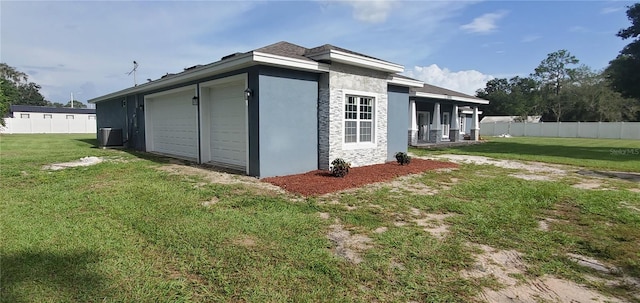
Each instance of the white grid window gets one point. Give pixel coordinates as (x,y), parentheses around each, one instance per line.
(47,116)
(358,119)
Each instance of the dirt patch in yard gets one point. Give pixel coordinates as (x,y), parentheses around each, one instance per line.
(348,246)
(86,161)
(507,265)
(531,167)
(320,182)
(219,177)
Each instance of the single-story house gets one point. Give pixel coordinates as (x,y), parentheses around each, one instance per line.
(26,119)
(277,110)
(439,114)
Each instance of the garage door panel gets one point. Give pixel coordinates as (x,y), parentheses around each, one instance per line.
(228,125)
(174,125)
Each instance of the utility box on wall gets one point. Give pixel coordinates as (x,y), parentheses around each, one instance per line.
(110,137)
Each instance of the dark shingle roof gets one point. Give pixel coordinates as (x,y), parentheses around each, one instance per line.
(285,49)
(432,89)
(291,50)
(46,109)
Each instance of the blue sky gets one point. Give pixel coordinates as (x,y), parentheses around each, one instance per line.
(87,47)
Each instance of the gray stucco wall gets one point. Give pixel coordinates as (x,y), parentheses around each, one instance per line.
(397,120)
(288,122)
(111,114)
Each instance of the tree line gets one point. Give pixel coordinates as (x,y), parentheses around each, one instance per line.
(560,89)
(16,89)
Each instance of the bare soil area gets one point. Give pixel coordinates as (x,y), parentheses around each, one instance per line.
(319,182)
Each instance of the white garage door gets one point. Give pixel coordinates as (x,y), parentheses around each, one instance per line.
(173,125)
(229,125)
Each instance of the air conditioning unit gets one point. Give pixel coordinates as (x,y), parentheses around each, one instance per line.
(110,137)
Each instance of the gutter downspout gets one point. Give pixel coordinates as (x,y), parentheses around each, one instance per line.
(199,125)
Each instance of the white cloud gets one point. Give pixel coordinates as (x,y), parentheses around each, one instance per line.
(465,81)
(530,38)
(485,23)
(578,29)
(371,11)
(609,10)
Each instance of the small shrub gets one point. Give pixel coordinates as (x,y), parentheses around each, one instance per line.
(403,158)
(340,167)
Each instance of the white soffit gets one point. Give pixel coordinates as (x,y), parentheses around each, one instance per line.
(237,62)
(448,97)
(405,82)
(293,63)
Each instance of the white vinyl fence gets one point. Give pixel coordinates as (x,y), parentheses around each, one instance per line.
(48,126)
(604,130)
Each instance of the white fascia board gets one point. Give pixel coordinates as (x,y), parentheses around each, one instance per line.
(405,82)
(238,62)
(352,59)
(448,97)
(270,59)
(211,69)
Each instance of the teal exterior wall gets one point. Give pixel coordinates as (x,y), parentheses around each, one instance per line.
(397,120)
(288,122)
(111,114)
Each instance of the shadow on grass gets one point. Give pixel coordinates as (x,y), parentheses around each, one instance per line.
(66,276)
(92,142)
(157,158)
(575,152)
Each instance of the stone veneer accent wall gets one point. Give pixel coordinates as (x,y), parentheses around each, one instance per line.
(330,104)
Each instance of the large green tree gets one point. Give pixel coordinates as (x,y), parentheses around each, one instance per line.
(553,73)
(17,89)
(594,100)
(557,91)
(623,70)
(513,97)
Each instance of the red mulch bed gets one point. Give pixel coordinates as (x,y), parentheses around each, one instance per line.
(320,182)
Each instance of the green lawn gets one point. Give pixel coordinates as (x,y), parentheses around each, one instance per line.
(124,231)
(610,154)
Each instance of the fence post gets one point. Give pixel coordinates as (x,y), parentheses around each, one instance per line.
(621,129)
(578,130)
(558,124)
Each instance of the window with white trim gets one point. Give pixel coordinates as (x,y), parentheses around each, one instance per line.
(92,117)
(47,116)
(70,117)
(24,116)
(358,119)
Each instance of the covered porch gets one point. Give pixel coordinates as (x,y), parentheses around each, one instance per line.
(441,116)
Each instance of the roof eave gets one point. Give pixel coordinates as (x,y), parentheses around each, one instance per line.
(449,97)
(352,59)
(214,68)
(293,63)
(405,82)
(241,61)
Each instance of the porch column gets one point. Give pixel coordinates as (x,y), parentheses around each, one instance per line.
(435,134)
(413,123)
(454,130)
(475,126)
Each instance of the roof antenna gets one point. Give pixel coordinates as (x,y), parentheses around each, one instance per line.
(133,71)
